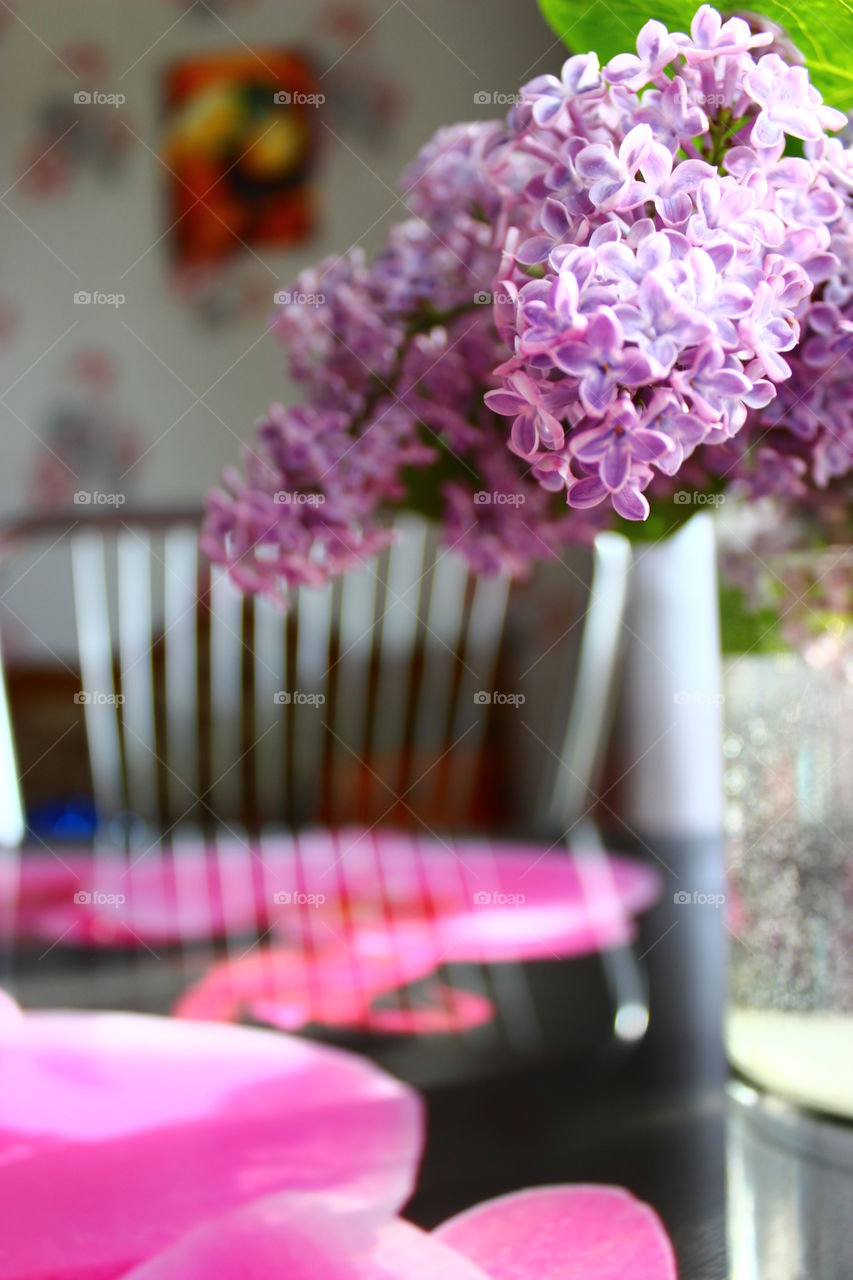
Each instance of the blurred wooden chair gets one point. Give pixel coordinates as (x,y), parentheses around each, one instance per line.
(412,692)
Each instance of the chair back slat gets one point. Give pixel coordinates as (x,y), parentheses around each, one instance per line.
(95,648)
(135,630)
(12,821)
(270,683)
(307,703)
(479,664)
(180,659)
(356,614)
(570,775)
(395,640)
(224,793)
(444,612)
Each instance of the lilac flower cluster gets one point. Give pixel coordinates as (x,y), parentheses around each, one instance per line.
(801,446)
(675,251)
(393,356)
(632,269)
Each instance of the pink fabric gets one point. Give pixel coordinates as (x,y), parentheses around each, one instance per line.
(103,898)
(358,915)
(543,899)
(378,911)
(120,1133)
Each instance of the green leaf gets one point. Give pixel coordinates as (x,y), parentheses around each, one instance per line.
(664,520)
(822,30)
(748,630)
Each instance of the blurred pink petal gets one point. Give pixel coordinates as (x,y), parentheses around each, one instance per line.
(564,1233)
(308,1238)
(478,901)
(290,988)
(379,910)
(102,897)
(466,899)
(553,1233)
(119,1133)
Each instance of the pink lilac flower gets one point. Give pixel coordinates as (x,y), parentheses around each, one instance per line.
(532,423)
(676,300)
(656,49)
(711,38)
(730,212)
(768,333)
(602,364)
(671,114)
(661,321)
(614,451)
(630,237)
(550,96)
(797,448)
(790,104)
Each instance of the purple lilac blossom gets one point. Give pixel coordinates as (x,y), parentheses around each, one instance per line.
(625,285)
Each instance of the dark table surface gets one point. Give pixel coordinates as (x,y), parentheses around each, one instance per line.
(568,1105)
(651,1118)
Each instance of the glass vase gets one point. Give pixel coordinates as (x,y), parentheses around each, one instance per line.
(788,776)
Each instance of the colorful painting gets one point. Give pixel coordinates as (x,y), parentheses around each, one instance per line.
(240,144)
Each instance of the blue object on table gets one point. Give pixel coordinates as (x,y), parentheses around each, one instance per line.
(73,818)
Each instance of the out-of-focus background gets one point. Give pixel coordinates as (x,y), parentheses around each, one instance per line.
(138,283)
(169,167)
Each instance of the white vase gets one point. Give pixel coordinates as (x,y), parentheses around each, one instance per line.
(668,737)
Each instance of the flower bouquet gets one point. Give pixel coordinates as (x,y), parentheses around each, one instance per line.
(633,293)
(636,285)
